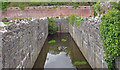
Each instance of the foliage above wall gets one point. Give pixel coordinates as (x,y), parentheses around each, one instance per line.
(22,5)
(97,8)
(110,34)
(115,5)
(72,18)
(4,5)
(75,19)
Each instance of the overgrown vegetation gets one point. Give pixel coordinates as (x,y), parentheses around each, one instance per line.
(4,5)
(74,20)
(97,8)
(94,13)
(110,34)
(115,5)
(52,27)
(79,21)
(75,6)
(22,5)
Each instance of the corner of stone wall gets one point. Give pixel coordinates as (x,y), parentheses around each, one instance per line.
(2,31)
(117,63)
(87,37)
(1,65)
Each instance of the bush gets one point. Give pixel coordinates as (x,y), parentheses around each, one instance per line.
(75,6)
(5,18)
(79,21)
(52,27)
(72,18)
(94,13)
(4,4)
(110,34)
(115,5)
(21,7)
(54,7)
(57,17)
(97,8)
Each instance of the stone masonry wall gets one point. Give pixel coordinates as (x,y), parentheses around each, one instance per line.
(117,63)
(87,37)
(63,25)
(44,11)
(20,43)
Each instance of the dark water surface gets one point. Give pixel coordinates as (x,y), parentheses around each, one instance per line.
(60,54)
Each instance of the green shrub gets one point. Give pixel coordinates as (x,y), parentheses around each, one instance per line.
(97,8)
(4,5)
(57,17)
(63,40)
(5,22)
(30,18)
(52,27)
(110,34)
(115,5)
(26,18)
(94,13)
(79,21)
(21,19)
(21,7)
(72,18)
(75,6)
(5,18)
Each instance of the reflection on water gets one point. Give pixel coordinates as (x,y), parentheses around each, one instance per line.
(60,54)
(61,59)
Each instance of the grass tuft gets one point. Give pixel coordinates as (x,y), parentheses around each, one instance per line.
(80,63)
(63,40)
(52,41)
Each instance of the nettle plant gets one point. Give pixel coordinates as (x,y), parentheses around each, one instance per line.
(110,34)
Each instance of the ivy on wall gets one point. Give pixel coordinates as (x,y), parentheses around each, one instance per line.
(110,34)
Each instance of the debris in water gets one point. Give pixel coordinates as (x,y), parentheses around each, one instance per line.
(62,48)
